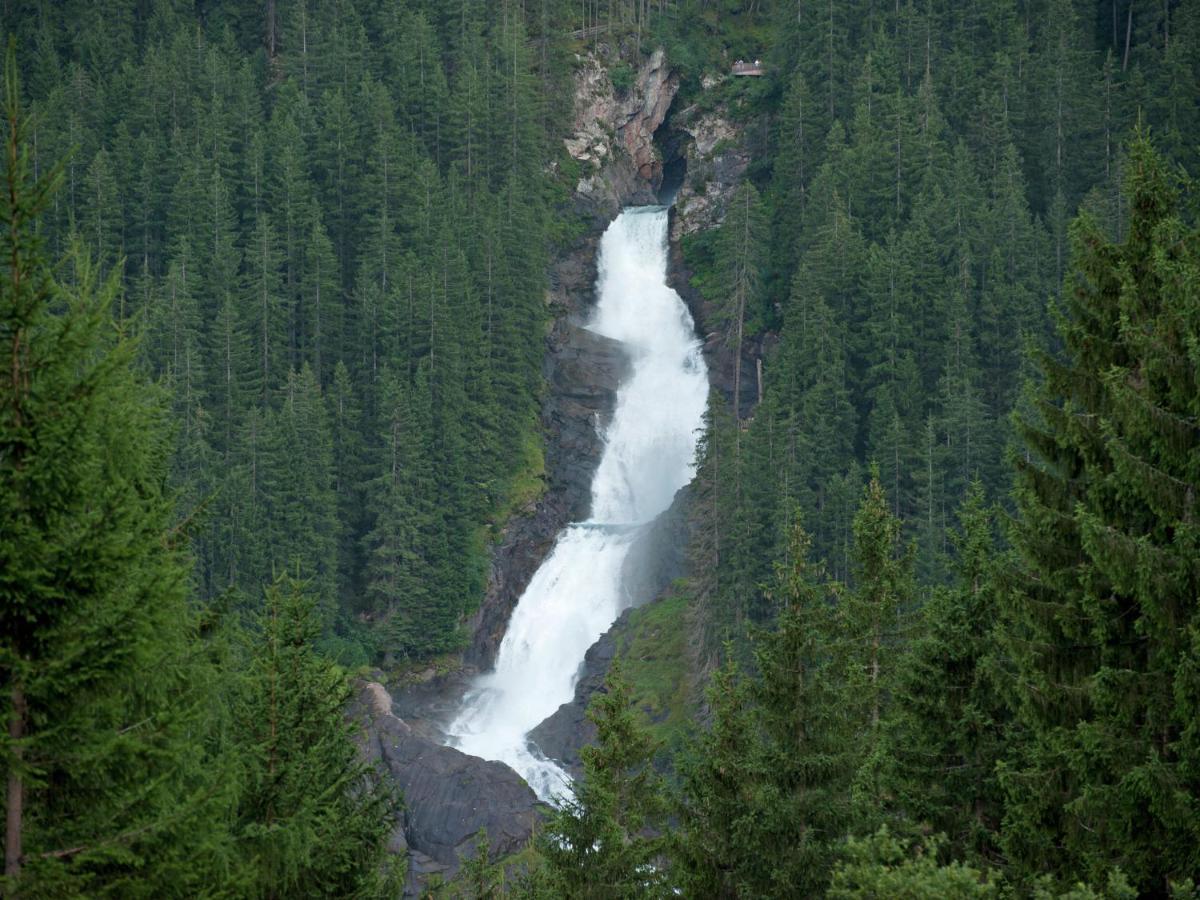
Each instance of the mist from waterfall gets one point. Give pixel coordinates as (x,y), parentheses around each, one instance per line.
(649,454)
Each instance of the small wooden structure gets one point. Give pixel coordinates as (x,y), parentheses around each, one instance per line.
(754,69)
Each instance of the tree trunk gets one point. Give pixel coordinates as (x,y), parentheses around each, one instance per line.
(1128,35)
(271,30)
(15,798)
(875,642)
(737,363)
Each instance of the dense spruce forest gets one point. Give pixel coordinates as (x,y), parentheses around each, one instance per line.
(332,243)
(274,315)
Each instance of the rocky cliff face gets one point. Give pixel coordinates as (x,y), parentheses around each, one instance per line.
(582,371)
(716,160)
(715,155)
(613,137)
(449,796)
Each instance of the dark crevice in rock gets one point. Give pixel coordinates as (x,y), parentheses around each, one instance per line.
(672,144)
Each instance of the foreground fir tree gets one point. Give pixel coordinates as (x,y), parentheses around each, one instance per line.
(946,729)
(881,867)
(1104,627)
(313,819)
(765,792)
(871,624)
(715,845)
(602,842)
(106,793)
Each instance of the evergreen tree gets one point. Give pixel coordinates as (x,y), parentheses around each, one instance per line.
(943,743)
(739,260)
(1101,622)
(764,794)
(106,789)
(871,623)
(880,867)
(312,818)
(715,849)
(596,844)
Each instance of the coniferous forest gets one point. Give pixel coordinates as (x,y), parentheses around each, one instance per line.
(274,318)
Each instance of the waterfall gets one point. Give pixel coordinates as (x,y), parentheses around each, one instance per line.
(649,454)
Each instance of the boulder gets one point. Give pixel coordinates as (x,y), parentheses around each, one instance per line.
(449,796)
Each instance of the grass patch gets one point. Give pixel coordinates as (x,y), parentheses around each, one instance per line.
(519,492)
(410,672)
(655,657)
(528,483)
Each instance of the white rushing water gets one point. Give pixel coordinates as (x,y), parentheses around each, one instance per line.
(649,454)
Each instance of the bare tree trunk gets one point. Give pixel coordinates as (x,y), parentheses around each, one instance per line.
(15,798)
(737,360)
(875,642)
(1128,35)
(271,30)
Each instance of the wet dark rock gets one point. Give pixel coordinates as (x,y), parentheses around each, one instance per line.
(449,796)
(654,562)
(582,371)
(568,730)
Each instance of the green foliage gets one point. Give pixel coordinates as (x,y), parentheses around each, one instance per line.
(622,76)
(769,791)
(1038,708)
(654,658)
(882,868)
(359,209)
(942,744)
(1100,625)
(103,684)
(150,751)
(479,878)
(597,844)
(312,818)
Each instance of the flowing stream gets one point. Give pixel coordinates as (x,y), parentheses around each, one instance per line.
(649,454)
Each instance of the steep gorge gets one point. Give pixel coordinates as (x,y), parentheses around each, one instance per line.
(614,145)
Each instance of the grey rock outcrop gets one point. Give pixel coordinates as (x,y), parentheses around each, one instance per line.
(613,136)
(582,371)
(449,796)
(716,160)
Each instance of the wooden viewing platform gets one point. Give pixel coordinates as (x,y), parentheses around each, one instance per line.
(754,69)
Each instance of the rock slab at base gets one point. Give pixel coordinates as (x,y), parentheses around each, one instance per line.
(449,796)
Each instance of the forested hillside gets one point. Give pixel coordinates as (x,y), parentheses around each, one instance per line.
(945,570)
(273,298)
(331,223)
(904,229)
(273,287)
